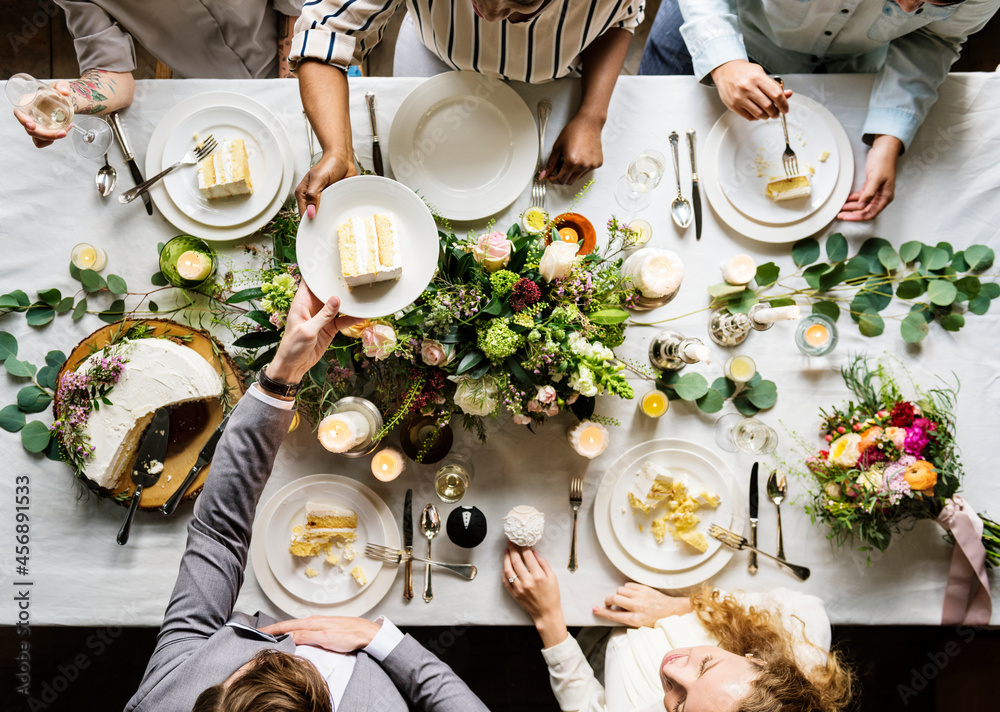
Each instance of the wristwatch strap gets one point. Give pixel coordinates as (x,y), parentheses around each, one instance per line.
(282,390)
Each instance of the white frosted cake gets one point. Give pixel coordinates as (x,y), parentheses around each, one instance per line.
(225,172)
(789,188)
(369,250)
(159,373)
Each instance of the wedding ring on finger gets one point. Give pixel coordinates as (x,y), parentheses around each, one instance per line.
(512,579)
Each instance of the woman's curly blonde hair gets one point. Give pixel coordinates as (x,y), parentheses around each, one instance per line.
(781,685)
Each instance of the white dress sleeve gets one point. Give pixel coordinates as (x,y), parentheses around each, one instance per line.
(573,681)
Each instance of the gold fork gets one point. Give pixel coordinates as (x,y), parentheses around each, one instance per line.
(575,500)
(788,160)
(735,541)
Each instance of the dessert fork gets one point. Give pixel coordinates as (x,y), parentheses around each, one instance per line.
(395,556)
(575,500)
(538,187)
(190,158)
(788,160)
(735,541)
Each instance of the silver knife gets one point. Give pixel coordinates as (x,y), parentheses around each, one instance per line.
(148,465)
(119,131)
(204,457)
(695,193)
(752,567)
(376,149)
(408,546)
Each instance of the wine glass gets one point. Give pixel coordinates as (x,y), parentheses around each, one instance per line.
(53,111)
(643,174)
(735,433)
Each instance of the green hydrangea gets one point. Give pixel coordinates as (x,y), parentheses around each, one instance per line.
(498,341)
(612,335)
(527,316)
(278,293)
(503,282)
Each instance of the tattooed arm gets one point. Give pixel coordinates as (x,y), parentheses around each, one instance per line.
(95,92)
(286,29)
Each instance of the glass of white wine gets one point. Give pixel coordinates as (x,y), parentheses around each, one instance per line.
(643,175)
(453,477)
(54,112)
(736,433)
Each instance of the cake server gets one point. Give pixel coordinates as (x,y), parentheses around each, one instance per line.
(695,192)
(118,128)
(148,465)
(204,457)
(376,148)
(408,546)
(752,567)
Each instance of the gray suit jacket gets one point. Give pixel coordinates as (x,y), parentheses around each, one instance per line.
(202,642)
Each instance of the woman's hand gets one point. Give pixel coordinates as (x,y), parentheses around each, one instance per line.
(880,181)
(341,635)
(576,151)
(40,136)
(331,168)
(746,89)
(536,590)
(636,605)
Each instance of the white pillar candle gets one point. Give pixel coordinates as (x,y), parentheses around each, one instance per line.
(343,431)
(739,269)
(588,438)
(655,273)
(775,314)
(388,464)
(697,352)
(86,256)
(194,266)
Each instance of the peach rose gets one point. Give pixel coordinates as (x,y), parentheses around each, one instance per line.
(354,331)
(869,438)
(897,435)
(378,341)
(921,476)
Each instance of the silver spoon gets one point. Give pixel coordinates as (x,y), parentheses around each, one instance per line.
(106,178)
(680,209)
(430,522)
(777,488)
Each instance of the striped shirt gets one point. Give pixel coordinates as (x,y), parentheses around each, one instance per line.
(543,48)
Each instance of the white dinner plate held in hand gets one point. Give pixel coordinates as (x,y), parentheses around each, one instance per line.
(318,252)
(224,123)
(465,142)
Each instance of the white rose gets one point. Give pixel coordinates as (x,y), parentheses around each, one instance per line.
(846,450)
(558,260)
(582,381)
(475,396)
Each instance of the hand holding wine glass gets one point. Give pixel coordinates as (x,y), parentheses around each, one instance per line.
(47,113)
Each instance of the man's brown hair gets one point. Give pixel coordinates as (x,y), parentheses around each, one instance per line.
(275,682)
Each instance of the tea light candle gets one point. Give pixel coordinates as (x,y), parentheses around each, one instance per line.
(655,273)
(739,269)
(588,438)
(388,464)
(695,352)
(568,234)
(343,431)
(740,369)
(817,335)
(86,256)
(194,266)
(775,314)
(644,230)
(654,403)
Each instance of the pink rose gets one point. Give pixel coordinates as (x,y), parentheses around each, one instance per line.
(546,394)
(897,435)
(378,341)
(572,399)
(492,251)
(552,410)
(534,406)
(520,419)
(434,353)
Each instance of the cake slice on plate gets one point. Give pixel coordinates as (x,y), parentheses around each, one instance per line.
(369,250)
(225,172)
(789,188)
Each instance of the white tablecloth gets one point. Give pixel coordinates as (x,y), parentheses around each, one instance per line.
(947,190)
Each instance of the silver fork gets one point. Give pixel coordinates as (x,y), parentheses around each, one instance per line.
(538,187)
(788,160)
(575,500)
(395,556)
(190,158)
(735,541)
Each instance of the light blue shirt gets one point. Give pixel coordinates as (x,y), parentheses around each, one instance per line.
(910,53)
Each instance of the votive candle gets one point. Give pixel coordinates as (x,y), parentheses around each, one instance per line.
(816,335)
(643,230)
(654,403)
(771,315)
(194,266)
(87,256)
(388,464)
(740,369)
(343,431)
(588,438)
(568,234)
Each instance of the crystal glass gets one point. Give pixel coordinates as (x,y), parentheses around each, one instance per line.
(643,175)
(816,335)
(453,477)
(91,136)
(736,433)
(178,258)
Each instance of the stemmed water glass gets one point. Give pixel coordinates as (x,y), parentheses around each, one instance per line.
(735,433)
(643,174)
(53,111)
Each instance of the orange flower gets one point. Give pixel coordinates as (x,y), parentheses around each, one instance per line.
(921,476)
(869,437)
(355,331)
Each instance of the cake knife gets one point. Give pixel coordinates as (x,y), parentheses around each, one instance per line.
(204,457)
(752,567)
(119,131)
(376,149)
(408,546)
(148,465)
(695,192)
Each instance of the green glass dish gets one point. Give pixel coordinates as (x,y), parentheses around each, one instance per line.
(172,253)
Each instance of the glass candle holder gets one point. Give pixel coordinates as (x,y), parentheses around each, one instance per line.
(87,256)
(654,403)
(188,262)
(351,428)
(423,440)
(816,335)
(740,369)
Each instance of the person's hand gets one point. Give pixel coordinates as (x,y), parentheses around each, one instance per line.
(576,151)
(636,605)
(536,590)
(341,635)
(880,181)
(746,89)
(43,137)
(331,168)
(310,329)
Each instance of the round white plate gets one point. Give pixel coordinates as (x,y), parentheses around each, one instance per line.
(613,548)
(671,555)
(319,255)
(465,142)
(750,157)
(332,584)
(765,232)
(367,599)
(154,159)
(224,123)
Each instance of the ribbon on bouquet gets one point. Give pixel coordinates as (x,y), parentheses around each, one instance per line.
(967,595)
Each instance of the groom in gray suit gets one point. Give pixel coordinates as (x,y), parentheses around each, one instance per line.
(209,658)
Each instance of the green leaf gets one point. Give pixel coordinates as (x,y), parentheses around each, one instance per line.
(888,257)
(812,274)
(54,450)
(914,328)
(832,278)
(80,309)
(910,250)
(32,399)
(116,285)
(519,373)
(744,406)
(48,376)
(941,292)
(39,314)
(257,339)
(159,247)
(584,407)
(711,402)
(946,246)
(114,312)
(958,262)
(21,369)
(856,268)
(860,304)
(781,302)
(259,317)
(153,306)
(158,280)
(614,315)
(50,297)
(829,309)
(879,291)
(245,295)
(980,305)
(869,251)
(55,359)
(74,271)
(836,247)
(12,419)
(691,386)
(91,281)
(969,286)
(723,289)
(480,370)
(35,436)
(767,273)
(990,290)
(64,306)
(911,287)
(469,361)
(805,252)
(724,386)
(493,307)
(933,258)
(741,303)
(763,395)
(871,324)
(953,322)
(264,359)
(8,345)
(979,257)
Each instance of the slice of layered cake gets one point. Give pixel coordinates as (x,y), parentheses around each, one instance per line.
(369,250)
(789,188)
(225,172)
(324,524)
